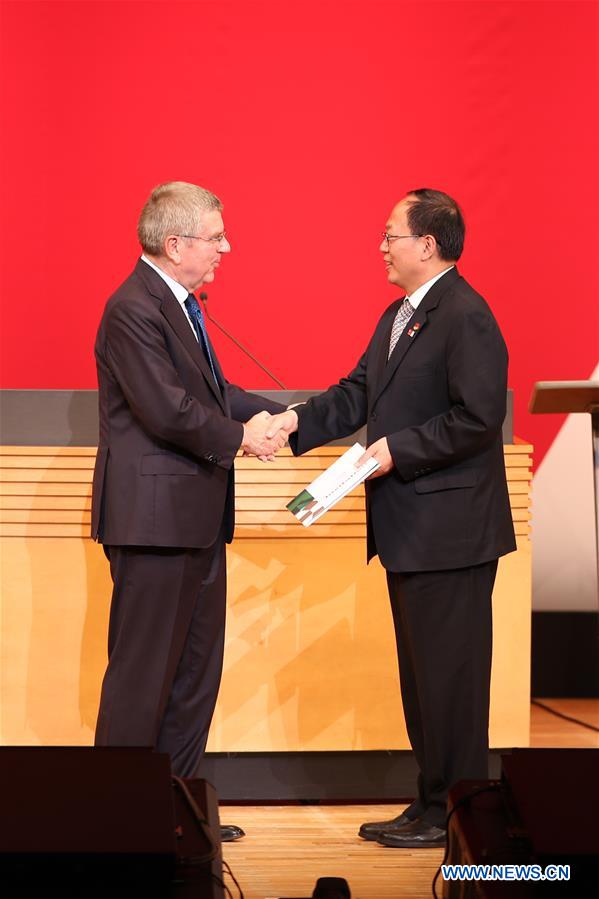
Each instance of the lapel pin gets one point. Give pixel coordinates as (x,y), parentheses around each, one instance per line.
(414,329)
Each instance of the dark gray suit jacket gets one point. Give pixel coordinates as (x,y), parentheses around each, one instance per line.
(168,433)
(440,401)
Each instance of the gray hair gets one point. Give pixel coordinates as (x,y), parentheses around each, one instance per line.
(173,208)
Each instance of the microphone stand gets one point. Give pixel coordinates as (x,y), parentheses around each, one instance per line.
(204,300)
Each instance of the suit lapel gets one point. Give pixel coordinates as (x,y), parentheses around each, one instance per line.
(382,348)
(220,377)
(411,332)
(172,311)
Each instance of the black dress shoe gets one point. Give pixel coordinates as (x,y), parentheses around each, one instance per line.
(372,830)
(230,832)
(414,835)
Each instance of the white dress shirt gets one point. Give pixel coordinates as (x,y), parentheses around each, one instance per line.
(417,297)
(181,293)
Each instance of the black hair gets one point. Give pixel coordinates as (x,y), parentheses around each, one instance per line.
(433,212)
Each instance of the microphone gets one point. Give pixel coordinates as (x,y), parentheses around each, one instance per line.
(204,300)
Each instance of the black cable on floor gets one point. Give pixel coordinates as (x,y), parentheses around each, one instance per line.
(492,787)
(557,714)
(227,869)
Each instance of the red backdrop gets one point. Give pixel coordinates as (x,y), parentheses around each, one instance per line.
(309,120)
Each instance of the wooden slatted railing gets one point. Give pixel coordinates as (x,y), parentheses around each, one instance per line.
(46,492)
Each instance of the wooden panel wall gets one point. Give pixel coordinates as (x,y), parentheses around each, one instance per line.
(310,660)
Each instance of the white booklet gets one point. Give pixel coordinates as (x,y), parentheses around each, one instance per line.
(331,486)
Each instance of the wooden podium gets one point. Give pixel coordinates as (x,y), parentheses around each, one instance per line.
(310,657)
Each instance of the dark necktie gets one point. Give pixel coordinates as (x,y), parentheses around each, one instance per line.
(197,319)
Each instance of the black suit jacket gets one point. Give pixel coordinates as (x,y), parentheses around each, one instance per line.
(440,401)
(168,433)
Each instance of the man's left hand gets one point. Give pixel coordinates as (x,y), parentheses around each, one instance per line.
(380,451)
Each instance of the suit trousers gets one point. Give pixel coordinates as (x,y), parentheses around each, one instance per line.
(443,629)
(165,650)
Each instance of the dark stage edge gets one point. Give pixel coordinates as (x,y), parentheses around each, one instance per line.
(565,655)
(313,777)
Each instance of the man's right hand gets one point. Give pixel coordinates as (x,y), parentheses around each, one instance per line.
(283,421)
(255,440)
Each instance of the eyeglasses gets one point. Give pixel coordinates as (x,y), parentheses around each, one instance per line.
(217,239)
(389,238)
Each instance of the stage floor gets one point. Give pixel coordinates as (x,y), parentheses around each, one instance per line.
(287,848)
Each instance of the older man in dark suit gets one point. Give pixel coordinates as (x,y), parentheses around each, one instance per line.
(163,493)
(431,387)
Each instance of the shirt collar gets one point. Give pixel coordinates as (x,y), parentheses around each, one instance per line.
(417,297)
(181,293)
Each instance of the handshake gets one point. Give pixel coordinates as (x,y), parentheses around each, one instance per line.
(265,434)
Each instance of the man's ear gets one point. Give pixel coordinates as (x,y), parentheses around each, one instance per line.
(430,247)
(172,248)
